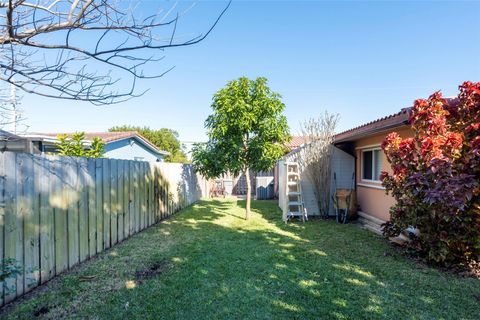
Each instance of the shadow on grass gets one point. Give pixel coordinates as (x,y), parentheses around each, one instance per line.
(264,268)
(217,265)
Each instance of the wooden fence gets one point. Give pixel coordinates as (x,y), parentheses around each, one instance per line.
(56,212)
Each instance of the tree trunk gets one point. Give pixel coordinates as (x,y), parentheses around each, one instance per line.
(249,194)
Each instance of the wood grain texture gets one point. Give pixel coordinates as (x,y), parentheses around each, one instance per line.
(47,222)
(82,189)
(56,212)
(92,213)
(113,202)
(106,203)
(10,219)
(72,196)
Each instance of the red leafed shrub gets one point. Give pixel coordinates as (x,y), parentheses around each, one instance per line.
(435,177)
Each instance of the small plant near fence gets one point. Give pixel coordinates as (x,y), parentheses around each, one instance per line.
(10,269)
(435,177)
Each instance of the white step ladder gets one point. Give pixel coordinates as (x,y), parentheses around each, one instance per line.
(294,199)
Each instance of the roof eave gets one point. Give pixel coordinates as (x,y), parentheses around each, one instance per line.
(50,139)
(360,135)
(146,143)
(375,127)
(163,153)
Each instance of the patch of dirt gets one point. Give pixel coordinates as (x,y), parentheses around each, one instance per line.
(471,270)
(41,311)
(153,270)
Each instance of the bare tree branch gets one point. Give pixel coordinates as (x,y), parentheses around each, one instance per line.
(58,48)
(315,157)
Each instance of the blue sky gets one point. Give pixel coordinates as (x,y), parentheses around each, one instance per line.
(360,59)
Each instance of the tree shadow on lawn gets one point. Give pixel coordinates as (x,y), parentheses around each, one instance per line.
(221,266)
(240,269)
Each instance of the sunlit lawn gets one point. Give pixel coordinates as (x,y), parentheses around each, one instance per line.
(207,262)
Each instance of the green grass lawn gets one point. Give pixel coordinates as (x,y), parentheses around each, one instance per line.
(207,262)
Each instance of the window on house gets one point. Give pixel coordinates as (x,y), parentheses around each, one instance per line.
(371,164)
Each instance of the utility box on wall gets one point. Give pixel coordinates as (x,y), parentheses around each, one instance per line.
(264,188)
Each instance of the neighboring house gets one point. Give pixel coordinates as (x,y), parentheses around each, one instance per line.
(127,145)
(364,143)
(13,142)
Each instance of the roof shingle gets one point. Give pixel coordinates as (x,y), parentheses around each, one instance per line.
(295,142)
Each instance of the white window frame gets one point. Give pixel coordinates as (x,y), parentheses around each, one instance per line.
(373,163)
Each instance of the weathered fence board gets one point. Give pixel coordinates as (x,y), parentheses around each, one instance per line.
(151,218)
(99,204)
(83,208)
(92,216)
(60,215)
(140,196)
(106,203)
(113,202)
(47,243)
(22,208)
(120,216)
(31,250)
(10,228)
(144,194)
(131,200)
(2,213)
(138,200)
(71,178)
(126,199)
(56,212)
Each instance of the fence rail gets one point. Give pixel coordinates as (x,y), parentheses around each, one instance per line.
(56,212)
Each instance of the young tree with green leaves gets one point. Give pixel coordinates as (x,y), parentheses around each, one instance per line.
(164,139)
(73,146)
(247,132)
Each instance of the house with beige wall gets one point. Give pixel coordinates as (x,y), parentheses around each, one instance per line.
(364,143)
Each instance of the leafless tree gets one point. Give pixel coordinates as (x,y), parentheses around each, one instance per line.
(315,157)
(85,49)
